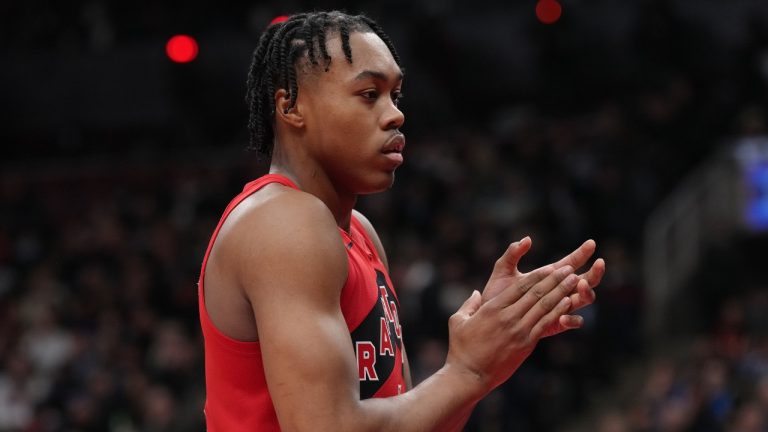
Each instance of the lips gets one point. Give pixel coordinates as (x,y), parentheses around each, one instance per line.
(396,144)
(393,149)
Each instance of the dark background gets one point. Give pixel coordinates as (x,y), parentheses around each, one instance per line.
(117,163)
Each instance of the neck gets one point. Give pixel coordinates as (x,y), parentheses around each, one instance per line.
(310,178)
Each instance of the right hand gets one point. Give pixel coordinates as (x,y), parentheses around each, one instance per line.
(491,339)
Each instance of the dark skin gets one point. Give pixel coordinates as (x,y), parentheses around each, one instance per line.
(277,268)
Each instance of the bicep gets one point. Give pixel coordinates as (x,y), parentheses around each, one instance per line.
(293,279)
(309,365)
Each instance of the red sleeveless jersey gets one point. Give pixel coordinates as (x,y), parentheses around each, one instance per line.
(237,398)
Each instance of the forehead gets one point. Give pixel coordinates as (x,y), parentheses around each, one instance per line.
(369,53)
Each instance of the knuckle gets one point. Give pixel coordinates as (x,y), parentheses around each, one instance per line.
(542,273)
(490,307)
(537,329)
(565,271)
(517,333)
(454,320)
(539,273)
(499,263)
(551,311)
(547,303)
(523,287)
(528,339)
(538,293)
(545,323)
(509,320)
(566,287)
(504,320)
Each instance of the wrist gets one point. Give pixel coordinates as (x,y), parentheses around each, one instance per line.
(471,382)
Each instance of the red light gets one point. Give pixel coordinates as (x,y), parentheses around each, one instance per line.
(279,19)
(548,11)
(181,48)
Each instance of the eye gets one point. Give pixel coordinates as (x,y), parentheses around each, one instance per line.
(397,96)
(370,95)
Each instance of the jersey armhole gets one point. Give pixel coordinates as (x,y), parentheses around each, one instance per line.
(366,238)
(209,328)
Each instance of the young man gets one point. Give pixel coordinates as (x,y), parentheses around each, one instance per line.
(299,315)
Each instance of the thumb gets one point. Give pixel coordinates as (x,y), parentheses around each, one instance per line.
(471,305)
(507,263)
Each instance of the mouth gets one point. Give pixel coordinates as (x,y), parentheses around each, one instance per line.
(395,144)
(393,148)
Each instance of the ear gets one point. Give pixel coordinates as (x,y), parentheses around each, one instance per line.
(285,112)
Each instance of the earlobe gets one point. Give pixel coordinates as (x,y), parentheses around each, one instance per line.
(284,111)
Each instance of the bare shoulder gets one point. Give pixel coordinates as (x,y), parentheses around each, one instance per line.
(373,235)
(280,232)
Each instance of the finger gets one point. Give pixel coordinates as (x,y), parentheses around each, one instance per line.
(578,257)
(470,305)
(564,323)
(571,321)
(584,296)
(551,299)
(507,263)
(539,291)
(585,292)
(595,273)
(549,319)
(517,289)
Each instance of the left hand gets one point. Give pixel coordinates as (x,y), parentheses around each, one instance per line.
(505,273)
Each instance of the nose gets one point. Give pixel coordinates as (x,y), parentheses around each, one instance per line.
(392,118)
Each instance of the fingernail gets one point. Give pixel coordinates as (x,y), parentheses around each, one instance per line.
(565,301)
(565,270)
(571,280)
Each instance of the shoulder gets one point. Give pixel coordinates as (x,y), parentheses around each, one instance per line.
(282,231)
(373,235)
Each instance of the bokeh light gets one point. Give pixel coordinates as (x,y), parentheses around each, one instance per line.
(181,48)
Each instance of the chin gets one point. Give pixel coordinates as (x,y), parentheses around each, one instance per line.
(380,184)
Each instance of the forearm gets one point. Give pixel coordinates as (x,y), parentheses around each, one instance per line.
(443,402)
(461,419)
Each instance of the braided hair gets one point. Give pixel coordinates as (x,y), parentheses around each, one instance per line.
(274,64)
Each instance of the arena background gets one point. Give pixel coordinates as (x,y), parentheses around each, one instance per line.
(639,123)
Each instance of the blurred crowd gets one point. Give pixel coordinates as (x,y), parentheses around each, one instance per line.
(99,256)
(717,381)
(98,307)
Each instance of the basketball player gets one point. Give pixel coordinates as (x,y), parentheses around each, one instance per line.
(299,314)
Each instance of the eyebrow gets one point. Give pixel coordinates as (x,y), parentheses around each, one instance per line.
(377,75)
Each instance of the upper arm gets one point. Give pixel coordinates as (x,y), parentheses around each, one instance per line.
(292,265)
